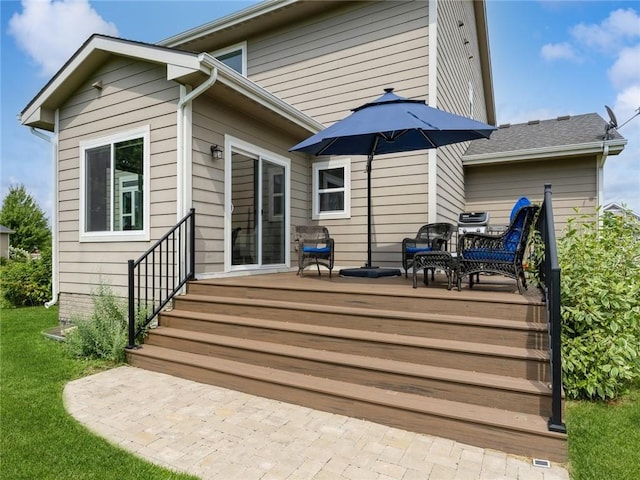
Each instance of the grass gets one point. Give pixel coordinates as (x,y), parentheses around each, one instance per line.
(38,439)
(604,438)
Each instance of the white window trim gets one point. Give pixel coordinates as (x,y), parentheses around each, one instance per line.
(242,46)
(127,235)
(345,163)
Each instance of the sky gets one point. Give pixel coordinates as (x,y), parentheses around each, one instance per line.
(548,58)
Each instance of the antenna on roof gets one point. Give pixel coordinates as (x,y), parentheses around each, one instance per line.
(613,122)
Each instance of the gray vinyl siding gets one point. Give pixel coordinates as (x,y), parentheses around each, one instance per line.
(211,121)
(458,65)
(329,64)
(495,188)
(134,94)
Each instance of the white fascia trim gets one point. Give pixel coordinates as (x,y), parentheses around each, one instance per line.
(251,90)
(181,63)
(615,147)
(241,16)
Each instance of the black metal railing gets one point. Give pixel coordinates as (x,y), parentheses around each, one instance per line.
(550,283)
(159,274)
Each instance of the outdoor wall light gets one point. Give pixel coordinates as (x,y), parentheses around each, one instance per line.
(216,152)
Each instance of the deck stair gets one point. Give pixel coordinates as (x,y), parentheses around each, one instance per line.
(471,366)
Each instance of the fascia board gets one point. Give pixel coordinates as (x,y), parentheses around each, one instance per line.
(615,147)
(254,92)
(228,21)
(96,48)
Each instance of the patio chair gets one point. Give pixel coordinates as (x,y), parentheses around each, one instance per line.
(430,237)
(315,247)
(499,254)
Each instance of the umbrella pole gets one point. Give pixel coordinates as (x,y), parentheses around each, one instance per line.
(369,159)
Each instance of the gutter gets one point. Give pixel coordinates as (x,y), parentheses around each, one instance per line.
(183,140)
(53,141)
(614,146)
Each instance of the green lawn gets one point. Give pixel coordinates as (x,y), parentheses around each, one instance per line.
(38,439)
(604,438)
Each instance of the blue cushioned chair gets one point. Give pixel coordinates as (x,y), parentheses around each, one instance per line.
(315,246)
(503,254)
(433,236)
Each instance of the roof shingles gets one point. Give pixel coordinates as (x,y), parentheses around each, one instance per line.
(557,132)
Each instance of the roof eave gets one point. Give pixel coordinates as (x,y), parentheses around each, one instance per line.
(182,67)
(480,12)
(615,147)
(228,21)
(39,112)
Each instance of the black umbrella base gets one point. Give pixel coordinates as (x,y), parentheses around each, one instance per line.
(370,272)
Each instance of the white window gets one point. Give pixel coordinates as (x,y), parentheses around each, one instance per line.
(114,187)
(234,57)
(332,189)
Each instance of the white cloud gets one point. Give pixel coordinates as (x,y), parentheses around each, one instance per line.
(559,51)
(619,27)
(626,69)
(622,172)
(51,31)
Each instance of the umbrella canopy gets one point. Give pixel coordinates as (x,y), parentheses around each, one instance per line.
(391,124)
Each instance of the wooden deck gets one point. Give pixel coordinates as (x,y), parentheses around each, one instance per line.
(470,365)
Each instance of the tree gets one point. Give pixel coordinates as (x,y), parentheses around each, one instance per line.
(21,213)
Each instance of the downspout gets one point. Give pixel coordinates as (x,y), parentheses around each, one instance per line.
(600,160)
(183,140)
(53,141)
(432,179)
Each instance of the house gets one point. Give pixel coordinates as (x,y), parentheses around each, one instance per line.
(205,120)
(568,151)
(161,108)
(618,209)
(5,234)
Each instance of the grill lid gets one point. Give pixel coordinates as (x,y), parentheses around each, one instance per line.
(473,218)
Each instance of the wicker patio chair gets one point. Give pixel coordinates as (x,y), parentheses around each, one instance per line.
(503,254)
(315,247)
(430,237)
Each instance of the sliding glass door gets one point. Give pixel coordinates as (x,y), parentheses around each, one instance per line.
(258,209)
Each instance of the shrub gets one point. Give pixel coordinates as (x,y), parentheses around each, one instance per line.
(104,335)
(600,305)
(25,281)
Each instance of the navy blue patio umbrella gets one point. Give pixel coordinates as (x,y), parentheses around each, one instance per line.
(390,124)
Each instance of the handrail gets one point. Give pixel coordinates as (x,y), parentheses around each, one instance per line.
(550,281)
(172,259)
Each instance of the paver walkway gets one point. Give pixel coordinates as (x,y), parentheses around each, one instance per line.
(221,434)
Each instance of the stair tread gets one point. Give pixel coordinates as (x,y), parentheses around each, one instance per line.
(441,344)
(432,406)
(358,288)
(370,363)
(417,316)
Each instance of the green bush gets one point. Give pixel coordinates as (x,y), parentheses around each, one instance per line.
(104,335)
(600,305)
(25,281)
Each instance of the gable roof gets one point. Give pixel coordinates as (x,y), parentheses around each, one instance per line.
(617,209)
(4,229)
(558,137)
(184,67)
